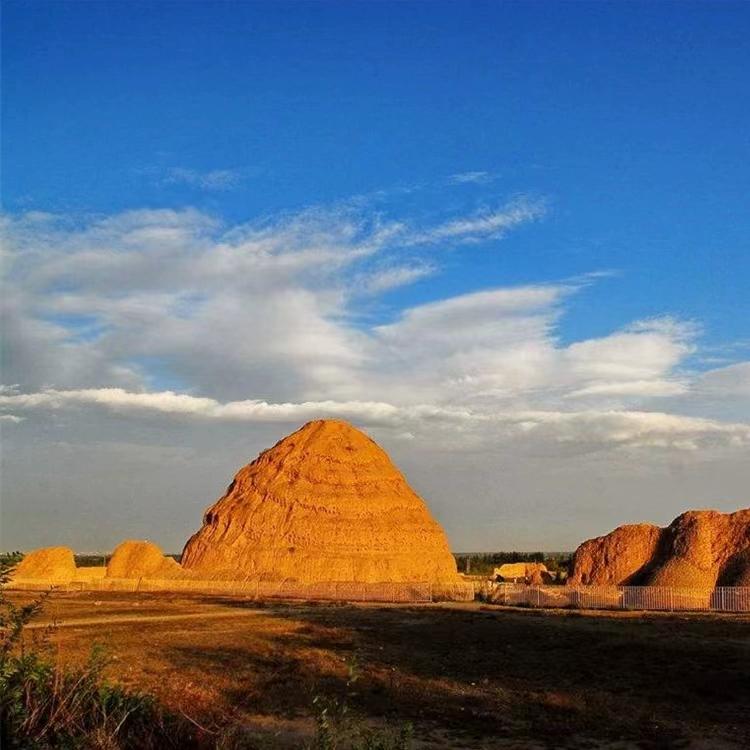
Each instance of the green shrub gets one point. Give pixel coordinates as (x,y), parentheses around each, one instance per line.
(338,727)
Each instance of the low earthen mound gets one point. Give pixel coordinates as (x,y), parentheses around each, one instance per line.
(699,549)
(535,574)
(140,560)
(539,577)
(616,559)
(48,564)
(324,504)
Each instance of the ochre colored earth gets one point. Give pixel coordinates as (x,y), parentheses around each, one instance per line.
(324,504)
(535,574)
(140,560)
(700,548)
(52,564)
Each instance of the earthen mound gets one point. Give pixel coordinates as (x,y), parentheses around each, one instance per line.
(48,564)
(688,557)
(140,560)
(618,558)
(535,574)
(736,570)
(538,577)
(324,504)
(699,549)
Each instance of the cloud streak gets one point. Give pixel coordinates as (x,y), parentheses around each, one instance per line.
(487,223)
(633,429)
(210,180)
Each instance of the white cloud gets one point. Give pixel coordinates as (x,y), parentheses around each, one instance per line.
(478,178)
(656,387)
(10,418)
(591,428)
(721,393)
(726,382)
(637,429)
(271,301)
(385,279)
(214,179)
(633,362)
(488,223)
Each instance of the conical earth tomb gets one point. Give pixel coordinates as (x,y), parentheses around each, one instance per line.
(324,504)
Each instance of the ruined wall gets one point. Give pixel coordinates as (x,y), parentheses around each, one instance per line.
(700,548)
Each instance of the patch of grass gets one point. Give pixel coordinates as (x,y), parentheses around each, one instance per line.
(462,675)
(336,726)
(46,706)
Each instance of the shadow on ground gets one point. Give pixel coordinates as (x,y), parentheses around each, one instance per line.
(555,678)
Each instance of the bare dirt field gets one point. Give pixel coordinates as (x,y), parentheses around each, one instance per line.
(464,676)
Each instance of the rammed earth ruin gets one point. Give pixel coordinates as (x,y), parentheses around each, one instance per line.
(325,504)
(700,549)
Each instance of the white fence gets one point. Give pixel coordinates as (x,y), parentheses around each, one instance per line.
(350,591)
(651,598)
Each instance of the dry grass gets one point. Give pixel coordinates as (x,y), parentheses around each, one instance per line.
(463,675)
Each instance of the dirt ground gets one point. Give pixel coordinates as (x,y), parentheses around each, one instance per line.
(464,676)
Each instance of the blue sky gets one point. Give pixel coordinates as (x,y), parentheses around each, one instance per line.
(351,178)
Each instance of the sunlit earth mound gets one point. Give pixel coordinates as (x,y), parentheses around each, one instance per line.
(324,504)
(617,558)
(134,559)
(700,549)
(49,564)
(534,573)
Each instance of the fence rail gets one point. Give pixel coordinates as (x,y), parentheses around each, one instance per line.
(351,591)
(649,598)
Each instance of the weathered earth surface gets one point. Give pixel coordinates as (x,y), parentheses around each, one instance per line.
(534,573)
(324,504)
(617,558)
(50,564)
(134,559)
(700,548)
